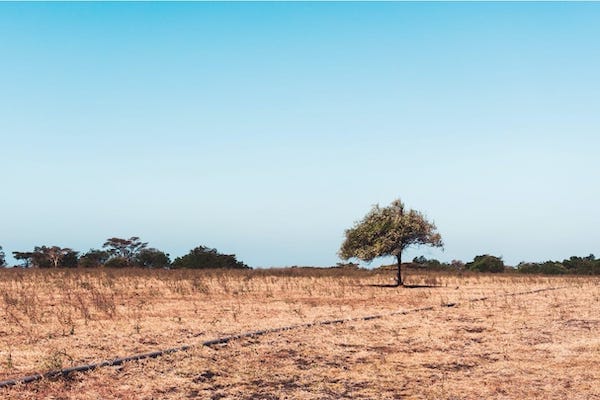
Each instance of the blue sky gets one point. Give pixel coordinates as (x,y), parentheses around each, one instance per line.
(266,129)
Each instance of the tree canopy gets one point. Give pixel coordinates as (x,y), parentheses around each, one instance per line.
(388,231)
(123,252)
(94,258)
(124,248)
(48,257)
(152,258)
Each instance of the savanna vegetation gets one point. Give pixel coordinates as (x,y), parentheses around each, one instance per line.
(122,253)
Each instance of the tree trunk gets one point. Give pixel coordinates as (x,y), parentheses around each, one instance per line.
(399,278)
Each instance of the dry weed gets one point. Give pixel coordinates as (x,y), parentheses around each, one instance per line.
(538,345)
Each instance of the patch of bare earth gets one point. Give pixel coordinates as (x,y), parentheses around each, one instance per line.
(536,345)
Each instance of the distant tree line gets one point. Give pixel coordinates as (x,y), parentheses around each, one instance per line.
(487,263)
(121,253)
(589,265)
(132,252)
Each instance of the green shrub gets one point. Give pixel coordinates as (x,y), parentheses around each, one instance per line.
(486,263)
(117,262)
(204,257)
(583,265)
(547,268)
(152,258)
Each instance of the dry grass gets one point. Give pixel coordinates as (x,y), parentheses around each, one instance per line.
(540,345)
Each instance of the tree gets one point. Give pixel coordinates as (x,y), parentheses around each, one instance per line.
(94,258)
(204,257)
(70,259)
(49,257)
(388,231)
(486,263)
(457,265)
(2,258)
(126,249)
(548,267)
(152,258)
(24,257)
(55,256)
(583,265)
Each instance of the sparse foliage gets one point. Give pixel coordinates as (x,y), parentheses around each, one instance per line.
(388,231)
(24,257)
(125,249)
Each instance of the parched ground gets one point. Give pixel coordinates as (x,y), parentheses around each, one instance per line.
(542,345)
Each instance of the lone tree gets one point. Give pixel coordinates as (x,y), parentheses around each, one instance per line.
(388,231)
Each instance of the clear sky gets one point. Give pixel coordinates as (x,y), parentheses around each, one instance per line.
(266,129)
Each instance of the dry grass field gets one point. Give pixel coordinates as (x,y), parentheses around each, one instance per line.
(542,345)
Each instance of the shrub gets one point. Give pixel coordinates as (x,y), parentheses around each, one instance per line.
(486,263)
(94,258)
(548,268)
(204,257)
(117,262)
(583,265)
(152,258)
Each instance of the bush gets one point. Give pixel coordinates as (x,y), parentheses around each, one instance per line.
(486,263)
(94,258)
(204,257)
(583,265)
(426,263)
(548,268)
(152,258)
(117,262)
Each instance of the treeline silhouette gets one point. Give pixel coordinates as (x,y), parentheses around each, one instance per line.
(132,252)
(121,253)
(589,265)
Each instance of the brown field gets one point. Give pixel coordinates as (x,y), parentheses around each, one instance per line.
(542,345)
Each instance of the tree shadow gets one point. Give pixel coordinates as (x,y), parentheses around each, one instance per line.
(422,286)
(393,285)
